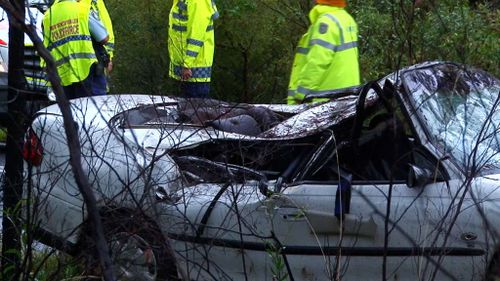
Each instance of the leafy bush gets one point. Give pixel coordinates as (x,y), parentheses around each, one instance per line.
(49,265)
(141,58)
(395,36)
(3,134)
(255,42)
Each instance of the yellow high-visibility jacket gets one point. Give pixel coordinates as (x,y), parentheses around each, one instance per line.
(327,55)
(67,36)
(100,8)
(191,41)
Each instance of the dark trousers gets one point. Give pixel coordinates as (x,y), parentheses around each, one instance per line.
(194,89)
(93,85)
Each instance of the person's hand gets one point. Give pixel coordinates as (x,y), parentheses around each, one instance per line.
(186,73)
(110,67)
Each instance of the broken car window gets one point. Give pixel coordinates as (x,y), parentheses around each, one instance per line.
(459,107)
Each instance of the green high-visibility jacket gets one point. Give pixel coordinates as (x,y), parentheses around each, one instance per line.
(191,41)
(327,55)
(67,36)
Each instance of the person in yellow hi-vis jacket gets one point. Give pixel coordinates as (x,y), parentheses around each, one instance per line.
(327,55)
(100,8)
(191,45)
(104,53)
(69,29)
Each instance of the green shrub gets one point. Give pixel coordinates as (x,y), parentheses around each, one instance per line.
(255,42)
(141,57)
(3,135)
(49,265)
(398,35)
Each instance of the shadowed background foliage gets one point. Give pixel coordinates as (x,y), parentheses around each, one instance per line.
(255,41)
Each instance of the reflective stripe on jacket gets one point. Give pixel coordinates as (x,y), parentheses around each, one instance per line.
(67,36)
(327,55)
(191,40)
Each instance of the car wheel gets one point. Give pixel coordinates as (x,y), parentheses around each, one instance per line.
(493,269)
(137,249)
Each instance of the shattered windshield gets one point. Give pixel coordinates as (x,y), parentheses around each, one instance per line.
(459,108)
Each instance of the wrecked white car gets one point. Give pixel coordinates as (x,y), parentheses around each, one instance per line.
(394,180)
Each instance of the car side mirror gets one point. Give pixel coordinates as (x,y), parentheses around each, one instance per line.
(418,176)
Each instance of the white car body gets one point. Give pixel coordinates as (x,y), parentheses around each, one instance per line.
(236,207)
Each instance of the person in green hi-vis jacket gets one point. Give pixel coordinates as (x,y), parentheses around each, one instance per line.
(191,45)
(327,55)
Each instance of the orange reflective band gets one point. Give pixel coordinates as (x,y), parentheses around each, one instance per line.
(336,3)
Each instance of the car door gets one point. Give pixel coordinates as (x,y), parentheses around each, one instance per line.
(404,217)
(391,230)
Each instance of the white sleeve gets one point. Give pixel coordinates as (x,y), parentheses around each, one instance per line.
(97,29)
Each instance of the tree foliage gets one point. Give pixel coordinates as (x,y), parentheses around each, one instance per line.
(255,42)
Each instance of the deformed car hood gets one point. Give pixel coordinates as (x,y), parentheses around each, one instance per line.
(308,122)
(313,120)
(304,120)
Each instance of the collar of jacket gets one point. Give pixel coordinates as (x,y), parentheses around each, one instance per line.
(318,10)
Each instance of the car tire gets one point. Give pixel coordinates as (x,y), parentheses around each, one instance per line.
(137,248)
(493,269)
